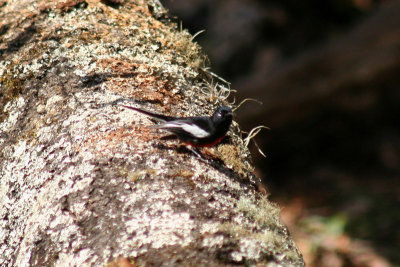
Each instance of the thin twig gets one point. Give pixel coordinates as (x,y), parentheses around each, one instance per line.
(259,149)
(245,100)
(197,34)
(215,75)
(252,134)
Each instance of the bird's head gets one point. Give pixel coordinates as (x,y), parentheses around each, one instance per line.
(223,115)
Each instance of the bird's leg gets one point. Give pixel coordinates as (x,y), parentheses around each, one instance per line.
(197,153)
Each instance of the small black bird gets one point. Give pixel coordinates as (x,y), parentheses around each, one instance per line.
(196,131)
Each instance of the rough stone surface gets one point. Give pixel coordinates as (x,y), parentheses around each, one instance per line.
(84,182)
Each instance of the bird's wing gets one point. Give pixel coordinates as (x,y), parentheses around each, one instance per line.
(185,127)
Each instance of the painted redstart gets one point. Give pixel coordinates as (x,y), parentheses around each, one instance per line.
(195,131)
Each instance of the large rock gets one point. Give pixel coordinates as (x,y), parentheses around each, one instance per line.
(85,182)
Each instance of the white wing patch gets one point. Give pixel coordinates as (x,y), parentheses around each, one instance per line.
(192,129)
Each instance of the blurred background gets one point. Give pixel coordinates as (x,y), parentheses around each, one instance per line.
(328,73)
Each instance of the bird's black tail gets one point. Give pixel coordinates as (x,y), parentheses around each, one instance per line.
(154,115)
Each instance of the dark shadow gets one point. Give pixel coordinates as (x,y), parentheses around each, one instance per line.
(95,79)
(113,3)
(20,40)
(4,28)
(347,163)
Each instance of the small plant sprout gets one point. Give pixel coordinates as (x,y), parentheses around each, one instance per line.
(197,34)
(252,134)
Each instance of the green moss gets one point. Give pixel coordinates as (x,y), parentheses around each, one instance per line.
(138,174)
(10,88)
(264,212)
(192,53)
(269,230)
(233,158)
(11,85)
(30,132)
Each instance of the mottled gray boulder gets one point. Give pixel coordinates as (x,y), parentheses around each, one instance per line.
(84,182)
